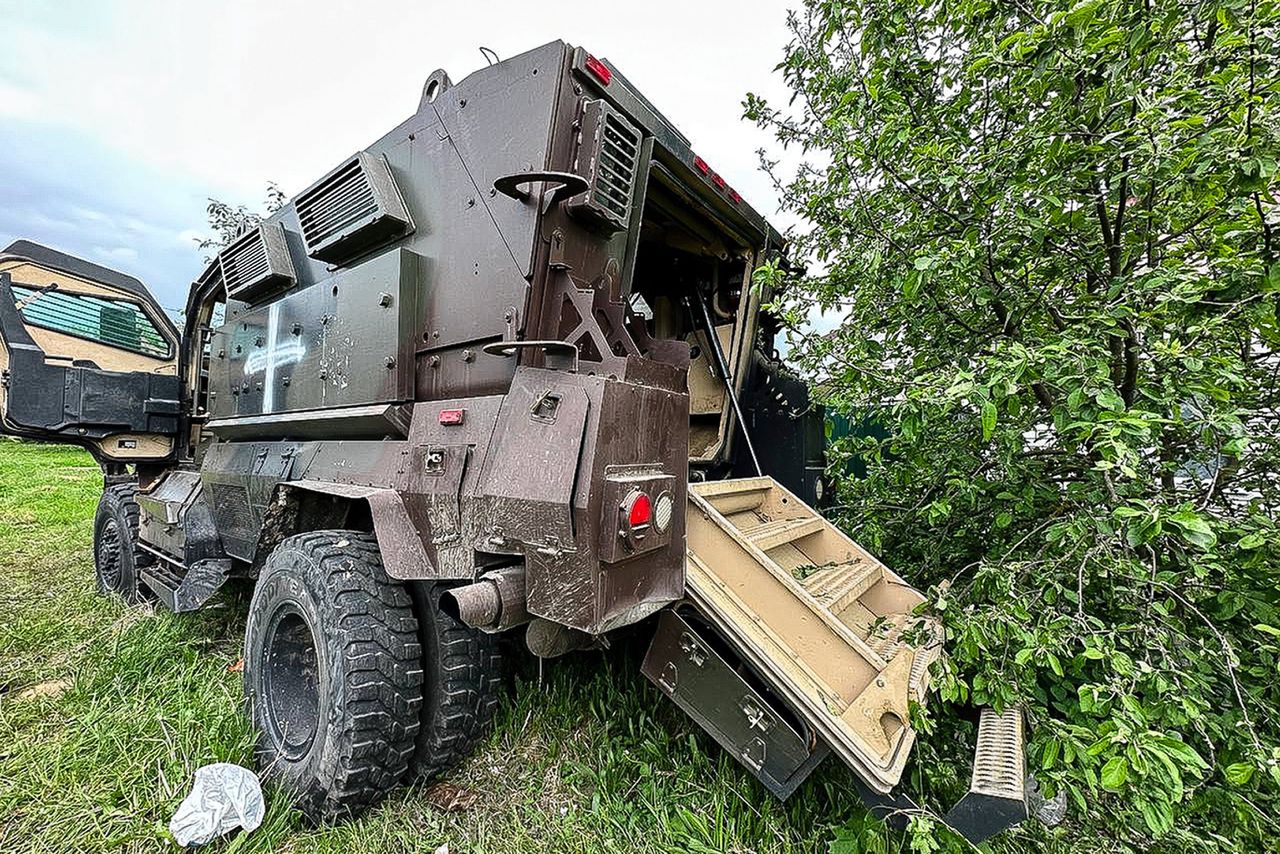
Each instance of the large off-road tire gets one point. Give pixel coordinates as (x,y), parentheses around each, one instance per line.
(332,673)
(117,558)
(463,678)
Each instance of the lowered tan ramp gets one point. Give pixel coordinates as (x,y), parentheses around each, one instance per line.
(828,626)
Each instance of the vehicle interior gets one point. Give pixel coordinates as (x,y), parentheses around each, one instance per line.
(686,261)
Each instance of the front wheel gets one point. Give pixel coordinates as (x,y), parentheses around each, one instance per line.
(117,557)
(332,673)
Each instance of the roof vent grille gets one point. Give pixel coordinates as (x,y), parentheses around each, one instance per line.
(352,209)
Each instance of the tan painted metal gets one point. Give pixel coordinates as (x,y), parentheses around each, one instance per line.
(61,348)
(829,625)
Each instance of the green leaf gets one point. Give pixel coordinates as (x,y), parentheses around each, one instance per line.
(988,419)
(1051,751)
(1158,816)
(1108,399)
(1114,773)
(1252,541)
(1239,774)
(1194,528)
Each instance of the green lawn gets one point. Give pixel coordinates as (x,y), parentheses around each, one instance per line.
(107,710)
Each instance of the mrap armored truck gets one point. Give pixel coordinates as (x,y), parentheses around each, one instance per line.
(503,370)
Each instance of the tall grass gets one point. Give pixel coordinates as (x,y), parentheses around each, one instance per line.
(106,711)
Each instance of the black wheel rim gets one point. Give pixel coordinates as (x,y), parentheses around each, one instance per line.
(109,564)
(291,683)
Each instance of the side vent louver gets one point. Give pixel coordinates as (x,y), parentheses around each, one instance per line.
(257,263)
(607,158)
(353,208)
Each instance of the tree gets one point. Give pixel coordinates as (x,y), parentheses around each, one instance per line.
(230,221)
(1051,233)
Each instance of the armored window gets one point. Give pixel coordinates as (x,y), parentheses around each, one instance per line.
(115,323)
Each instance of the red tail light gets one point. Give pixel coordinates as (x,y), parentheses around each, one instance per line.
(641,511)
(599,69)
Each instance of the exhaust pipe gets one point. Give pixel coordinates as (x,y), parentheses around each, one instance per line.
(546,639)
(493,603)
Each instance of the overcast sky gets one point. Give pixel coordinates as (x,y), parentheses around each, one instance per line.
(119,119)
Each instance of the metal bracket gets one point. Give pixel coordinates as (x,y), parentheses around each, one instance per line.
(690,647)
(560,355)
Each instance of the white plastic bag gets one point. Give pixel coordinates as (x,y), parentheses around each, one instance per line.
(223,797)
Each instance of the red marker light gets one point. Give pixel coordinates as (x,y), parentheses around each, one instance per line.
(640,512)
(735,195)
(701,165)
(599,69)
(717,180)
(452,417)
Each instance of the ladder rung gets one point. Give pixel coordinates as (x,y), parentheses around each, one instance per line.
(770,535)
(839,586)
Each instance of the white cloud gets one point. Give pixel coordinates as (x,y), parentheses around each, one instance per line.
(241,92)
(17,102)
(119,120)
(118,254)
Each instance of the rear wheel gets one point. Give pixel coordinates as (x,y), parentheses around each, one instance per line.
(332,672)
(117,558)
(462,669)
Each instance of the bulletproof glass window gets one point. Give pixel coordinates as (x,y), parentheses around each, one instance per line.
(115,323)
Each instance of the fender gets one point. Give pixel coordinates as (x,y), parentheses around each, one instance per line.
(403,555)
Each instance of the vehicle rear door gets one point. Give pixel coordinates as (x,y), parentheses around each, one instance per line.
(87,356)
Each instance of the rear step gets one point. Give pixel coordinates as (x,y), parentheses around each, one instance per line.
(793,640)
(188,590)
(826,623)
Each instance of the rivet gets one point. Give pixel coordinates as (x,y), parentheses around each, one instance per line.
(468,356)
(384,299)
(391,362)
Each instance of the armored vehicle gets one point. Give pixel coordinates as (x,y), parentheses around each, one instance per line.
(503,370)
